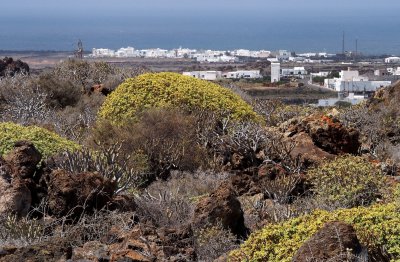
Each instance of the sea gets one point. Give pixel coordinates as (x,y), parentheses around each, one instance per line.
(300,33)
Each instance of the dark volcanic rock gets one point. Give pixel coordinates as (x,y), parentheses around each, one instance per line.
(327,133)
(336,241)
(244,184)
(23,159)
(319,137)
(73,193)
(45,251)
(222,206)
(147,243)
(15,197)
(9,67)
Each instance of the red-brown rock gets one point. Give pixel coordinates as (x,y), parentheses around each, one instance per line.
(327,133)
(222,206)
(74,193)
(336,241)
(23,159)
(15,197)
(146,243)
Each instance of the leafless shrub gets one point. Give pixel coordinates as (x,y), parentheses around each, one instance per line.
(166,136)
(85,74)
(95,227)
(24,231)
(167,208)
(276,112)
(281,189)
(29,230)
(380,130)
(127,170)
(25,102)
(172,202)
(214,241)
(278,150)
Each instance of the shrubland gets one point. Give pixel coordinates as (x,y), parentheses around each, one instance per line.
(164,150)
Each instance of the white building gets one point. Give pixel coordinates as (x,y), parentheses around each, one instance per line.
(296,71)
(320,74)
(102,52)
(283,55)
(126,52)
(275,72)
(351,81)
(396,72)
(262,54)
(185,52)
(213,58)
(351,75)
(352,99)
(247,74)
(393,59)
(205,75)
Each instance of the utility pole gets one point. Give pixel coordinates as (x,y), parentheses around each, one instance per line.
(343,45)
(355,58)
(79,51)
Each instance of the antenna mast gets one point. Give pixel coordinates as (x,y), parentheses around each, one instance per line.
(356,49)
(79,51)
(343,45)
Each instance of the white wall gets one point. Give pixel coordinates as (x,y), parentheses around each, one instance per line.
(275,72)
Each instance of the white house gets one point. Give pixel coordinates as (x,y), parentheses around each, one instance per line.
(283,55)
(275,72)
(393,59)
(126,52)
(320,74)
(248,74)
(396,72)
(205,75)
(351,81)
(102,52)
(296,71)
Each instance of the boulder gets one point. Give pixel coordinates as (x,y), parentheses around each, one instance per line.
(74,193)
(15,197)
(223,207)
(23,159)
(336,241)
(305,150)
(91,251)
(244,184)
(146,243)
(326,132)
(9,67)
(56,250)
(271,171)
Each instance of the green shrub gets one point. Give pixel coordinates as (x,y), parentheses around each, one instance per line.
(48,143)
(160,90)
(377,227)
(347,181)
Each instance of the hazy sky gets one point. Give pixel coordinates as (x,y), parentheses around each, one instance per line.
(197,7)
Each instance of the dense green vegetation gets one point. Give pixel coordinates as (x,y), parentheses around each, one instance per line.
(48,143)
(170,89)
(375,226)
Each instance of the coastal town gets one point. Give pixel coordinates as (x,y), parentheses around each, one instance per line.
(351,86)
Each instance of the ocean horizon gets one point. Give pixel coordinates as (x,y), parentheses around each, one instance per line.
(219,32)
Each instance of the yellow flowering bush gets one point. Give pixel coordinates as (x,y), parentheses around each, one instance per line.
(347,181)
(160,90)
(376,226)
(48,143)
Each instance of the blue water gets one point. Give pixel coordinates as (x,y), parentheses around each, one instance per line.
(376,34)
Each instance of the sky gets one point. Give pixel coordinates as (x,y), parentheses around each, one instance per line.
(196,7)
(253,24)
